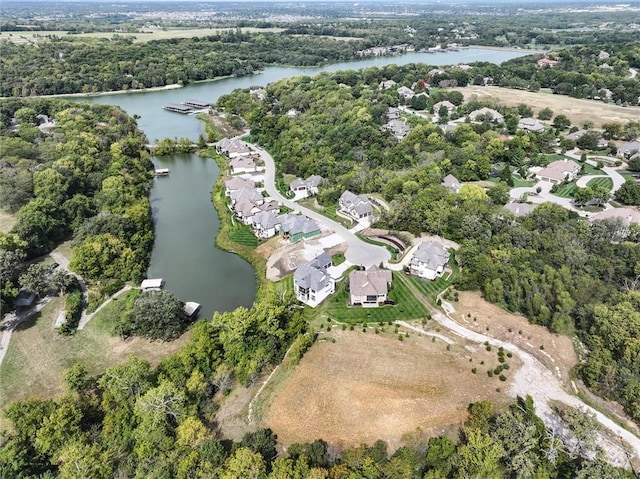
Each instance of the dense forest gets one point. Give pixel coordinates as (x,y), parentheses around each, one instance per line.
(553,266)
(72,170)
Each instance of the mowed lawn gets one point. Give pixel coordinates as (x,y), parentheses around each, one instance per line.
(431,289)
(242,235)
(566,191)
(605,182)
(406,308)
(38,356)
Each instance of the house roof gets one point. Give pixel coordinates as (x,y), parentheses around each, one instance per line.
(405,91)
(520,209)
(270,205)
(294,224)
(155,283)
(313,275)
(359,203)
(446,103)
(559,169)
(244,207)
(576,135)
(297,183)
(433,254)
(372,282)
(392,113)
(628,214)
(530,124)
(250,194)
(626,148)
(233,145)
(265,220)
(236,183)
(398,127)
(242,162)
(451,182)
(495,115)
(315,180)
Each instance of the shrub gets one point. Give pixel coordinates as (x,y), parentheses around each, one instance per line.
(474,370)
(351,327)
(542,347)
(300,346)
(509,355)
(502,378)
(344,326)
(490,373)
(400,337)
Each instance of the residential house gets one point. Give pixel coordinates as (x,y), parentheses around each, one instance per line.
(393,113)
(245,209)
(576,135)
(398,128)
(245,164)
(369,288)
(385,85)
(447,104)
(482,113)
(429,260)
(406,93)
(603,55)
(232,147)
(435,72)
(547,63)
(531,124)
(265,224)
(559,171)
(306,187)
(296,227)
(451,183)
(520,209)
(357,207)
(249,193)
(312,283)
(236,183)
(626,150)
(625,216)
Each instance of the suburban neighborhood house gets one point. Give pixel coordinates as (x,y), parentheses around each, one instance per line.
(295,227)
(312,283)
(520,209)
(245,164)
(451,183)
(429,260)
(531,124)
(626,150)
(626,216)
(385,85)
(406,93)
(559,171)
(447,104)
(232,147)
(482,113)
(398,128)
(304,188)
(236,183)
(357,207)
(369,288)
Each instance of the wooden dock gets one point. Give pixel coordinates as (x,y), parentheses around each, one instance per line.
(178,108)
(196,104)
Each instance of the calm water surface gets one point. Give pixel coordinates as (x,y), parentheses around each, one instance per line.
(186,222)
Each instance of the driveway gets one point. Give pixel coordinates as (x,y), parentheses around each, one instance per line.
(358,252)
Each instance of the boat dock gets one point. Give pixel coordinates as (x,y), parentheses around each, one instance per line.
(178,108)
(191,308)
(162,172)
(196,104)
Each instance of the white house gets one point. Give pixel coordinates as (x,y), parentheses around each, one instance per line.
(244,164)
(369,288)
(265,224)
(406,93)
(626,150)
(429,260)
(447,104)
(451,183)
(236,183)
(558,171)
(495,116)
(398,128)
(232,147)
(385,85)
(531,124)
(304,188)
(357,207)
(312,283)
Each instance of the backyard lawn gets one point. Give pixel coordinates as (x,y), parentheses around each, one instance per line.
(407,307)
(242,235)
(431,289)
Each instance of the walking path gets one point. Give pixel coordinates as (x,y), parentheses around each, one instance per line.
(87,317)
(11,322)
(539,382)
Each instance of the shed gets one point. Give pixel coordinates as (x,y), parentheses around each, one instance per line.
(151,284)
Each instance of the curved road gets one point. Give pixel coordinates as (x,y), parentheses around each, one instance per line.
(358,252)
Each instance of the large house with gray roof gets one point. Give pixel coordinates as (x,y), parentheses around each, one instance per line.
(429,260)
(369,288)
(490,113)
(232,147)
(312,283)
(357,207)
(295,227)
(304,188)
(627,150)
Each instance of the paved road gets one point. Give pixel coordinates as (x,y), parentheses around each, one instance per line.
(584,180)
(358,252)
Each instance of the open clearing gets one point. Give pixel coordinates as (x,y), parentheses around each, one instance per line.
(577,110)
(7,220)
(558,350)
(367,386)
(139,37)
(38,356)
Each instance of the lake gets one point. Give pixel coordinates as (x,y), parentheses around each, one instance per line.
(186,222)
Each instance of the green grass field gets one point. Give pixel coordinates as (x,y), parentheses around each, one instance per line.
(242,235)
(566,191)
(602,182)
(407,307)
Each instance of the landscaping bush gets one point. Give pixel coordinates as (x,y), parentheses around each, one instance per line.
(73,305)
(300,346)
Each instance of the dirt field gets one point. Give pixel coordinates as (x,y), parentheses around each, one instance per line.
(365,387)
(558,353)
(7,221)
(577,110)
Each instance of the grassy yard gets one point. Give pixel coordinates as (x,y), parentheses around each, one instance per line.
(566,191)
(590,169)
(602,182)
(407,307)
(38,356)
(242,235)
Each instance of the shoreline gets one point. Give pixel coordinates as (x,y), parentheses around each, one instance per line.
(506,49)
(173,86)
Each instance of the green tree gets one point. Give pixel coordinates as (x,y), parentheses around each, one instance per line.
(34,279)
(561,122)
(244,463)
(545,114)
(157,315)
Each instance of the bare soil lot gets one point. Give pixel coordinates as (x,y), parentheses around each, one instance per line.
(7,220)
(367,386)
(577,110)
(558,353)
